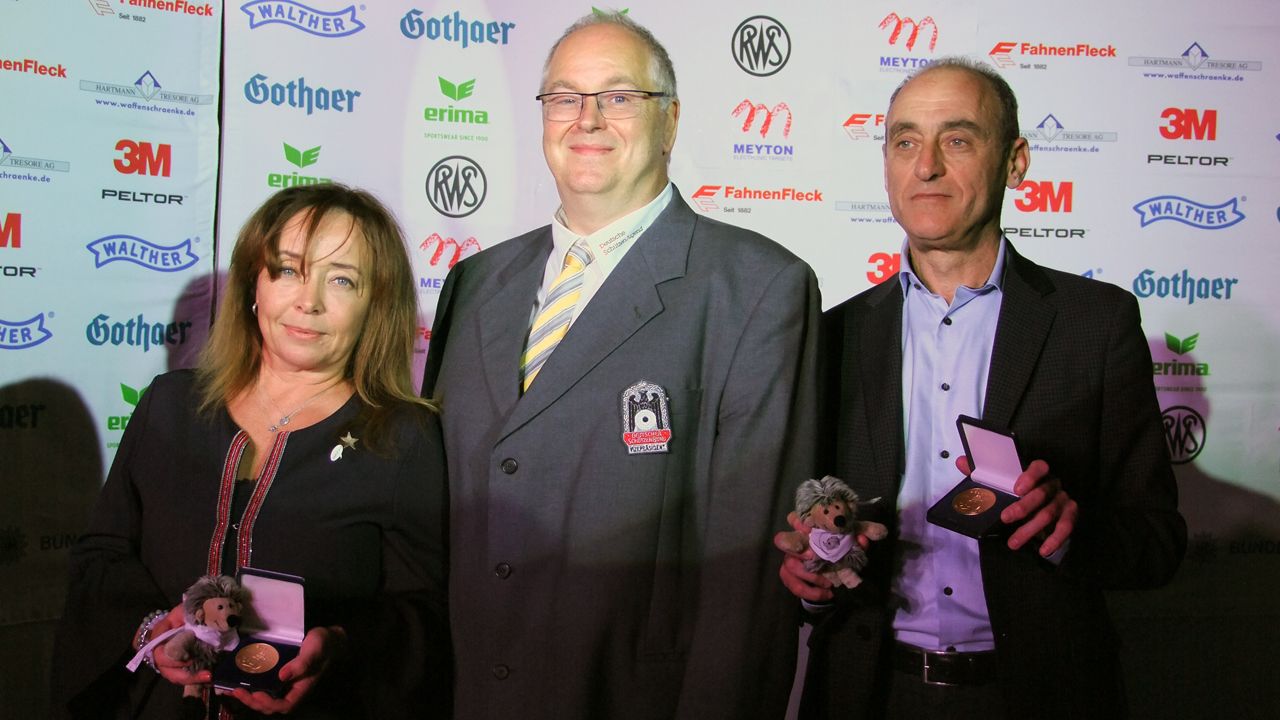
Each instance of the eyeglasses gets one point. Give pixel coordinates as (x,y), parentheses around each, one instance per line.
(613,104)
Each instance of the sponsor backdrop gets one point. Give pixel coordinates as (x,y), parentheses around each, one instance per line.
(1154,146)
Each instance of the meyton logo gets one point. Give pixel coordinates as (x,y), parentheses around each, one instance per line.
(900,22)
(24,334)
(456,186)
(1051,135)
(856,126)
(1180,346)
(1196,59)
(141,158)
(445,253)
(128,248)
(1045,196)
(760,45)
(302,17)
(1189,124)
(301,159)
(753,111)
(705,196)
(1184,433)
(11,230)
(1189,212)
(8,159)
(1001,53)
(146,87)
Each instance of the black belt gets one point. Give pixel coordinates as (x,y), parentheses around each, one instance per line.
(945,668)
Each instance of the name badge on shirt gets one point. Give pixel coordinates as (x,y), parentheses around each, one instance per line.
(646,424)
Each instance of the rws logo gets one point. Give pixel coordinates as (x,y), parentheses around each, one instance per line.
(456,186)
(300,159)
(24,334)
(141,158)
(1189,124)
(132,397)
(1185,433)
(1189,212)
(1180,346)
(760,46)
(302,17)
(11,231)
(129,248)
(1044,196)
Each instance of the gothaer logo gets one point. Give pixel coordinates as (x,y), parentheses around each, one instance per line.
(754,110)
(899,22)
(456,186)
(302,17)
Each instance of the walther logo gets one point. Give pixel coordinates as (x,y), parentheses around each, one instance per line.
(127,248)
(456,186)
(22,335)
(1189,212)
(307,19)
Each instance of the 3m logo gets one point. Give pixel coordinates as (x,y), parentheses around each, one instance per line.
(1189,124)
(448,249)
(899,22)
(140,158)
(856,125)
(883,266)
(1181,347)
(301,158)
(1044,196)
(11,231)
(754,109)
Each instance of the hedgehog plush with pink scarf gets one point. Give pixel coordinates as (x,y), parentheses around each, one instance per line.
(830,507)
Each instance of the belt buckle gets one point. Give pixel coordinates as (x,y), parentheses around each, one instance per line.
(924,674)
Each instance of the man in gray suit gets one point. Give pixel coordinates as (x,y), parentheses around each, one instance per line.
(1013,624)
(627,400)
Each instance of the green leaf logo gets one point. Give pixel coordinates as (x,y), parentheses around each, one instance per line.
(457,92)
(130,395)
(601,13)
(301,158)
(1181,346)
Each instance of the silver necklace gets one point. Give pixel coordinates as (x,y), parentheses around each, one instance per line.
(286,417)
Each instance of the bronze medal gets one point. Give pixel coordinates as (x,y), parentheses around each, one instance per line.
(973,501)
(257,658)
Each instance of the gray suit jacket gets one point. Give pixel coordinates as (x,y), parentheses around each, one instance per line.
(589,582)
(1071,376)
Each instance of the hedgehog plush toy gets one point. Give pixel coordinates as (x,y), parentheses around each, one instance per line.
(830,507)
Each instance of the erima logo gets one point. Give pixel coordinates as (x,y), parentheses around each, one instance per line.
(754,109)
(1189,212)
(22,335)
(304,18)
(128,248)
(899,22)
(456,92)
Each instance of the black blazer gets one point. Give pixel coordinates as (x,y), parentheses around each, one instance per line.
(1071,375)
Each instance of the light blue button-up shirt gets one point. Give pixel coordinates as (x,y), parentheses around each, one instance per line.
(946,354)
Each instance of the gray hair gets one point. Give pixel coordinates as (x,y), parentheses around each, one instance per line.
(824,492)
(660,67)
(1007,115)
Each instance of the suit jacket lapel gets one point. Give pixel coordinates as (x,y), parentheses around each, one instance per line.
(881,380)
(504,320)
(626,301)
(1025,321)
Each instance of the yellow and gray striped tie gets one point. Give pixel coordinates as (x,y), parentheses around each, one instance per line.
(552,322)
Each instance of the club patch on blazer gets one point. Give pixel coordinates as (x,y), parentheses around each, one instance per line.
(646,424)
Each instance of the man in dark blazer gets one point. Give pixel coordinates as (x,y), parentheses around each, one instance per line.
(1013,625)
(608,505)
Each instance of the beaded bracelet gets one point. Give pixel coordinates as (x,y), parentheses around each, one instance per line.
(144,634)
